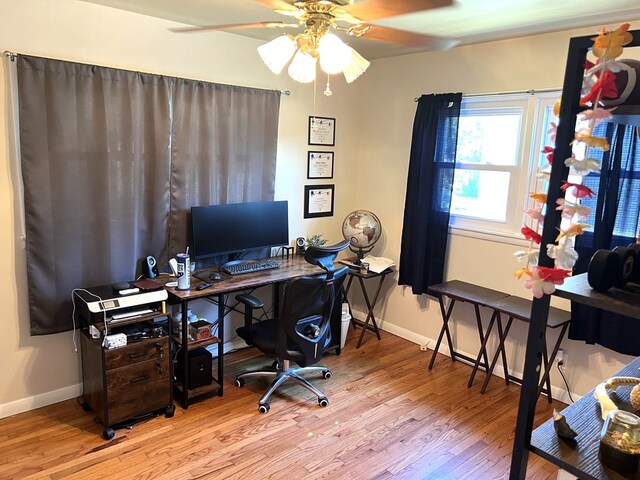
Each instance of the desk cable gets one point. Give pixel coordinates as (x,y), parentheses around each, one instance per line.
(73,316)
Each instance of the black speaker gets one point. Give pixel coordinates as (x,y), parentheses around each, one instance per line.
(200,368)
(150,267)
(300,245)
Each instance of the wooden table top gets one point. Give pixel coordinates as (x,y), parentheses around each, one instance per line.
(466,292)
(520,308)
(290,267)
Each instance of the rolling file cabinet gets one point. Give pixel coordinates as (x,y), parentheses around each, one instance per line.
(124,383)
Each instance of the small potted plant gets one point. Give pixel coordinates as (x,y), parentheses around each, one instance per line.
(315,241)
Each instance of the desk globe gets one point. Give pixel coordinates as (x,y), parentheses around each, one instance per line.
(363,229)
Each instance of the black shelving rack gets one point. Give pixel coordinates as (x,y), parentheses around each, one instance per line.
(569,109)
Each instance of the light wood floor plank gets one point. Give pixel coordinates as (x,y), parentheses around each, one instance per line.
(389,417)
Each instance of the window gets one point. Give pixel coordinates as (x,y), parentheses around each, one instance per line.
(500,138)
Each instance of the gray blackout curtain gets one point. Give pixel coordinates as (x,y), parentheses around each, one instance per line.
(112,161)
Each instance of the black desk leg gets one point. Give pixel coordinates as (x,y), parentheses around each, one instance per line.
(499,351)
(549,363)
(221,314)
(483,346)
(184,351)
(445,329)
(370,307)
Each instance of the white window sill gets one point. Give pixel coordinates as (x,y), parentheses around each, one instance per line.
(491,236)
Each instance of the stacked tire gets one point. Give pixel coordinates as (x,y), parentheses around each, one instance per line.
(614,268)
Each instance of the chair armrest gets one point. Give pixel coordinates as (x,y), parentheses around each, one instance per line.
(250,304)
(250,301)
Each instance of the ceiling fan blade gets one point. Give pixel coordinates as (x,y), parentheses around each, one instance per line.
(234,26)
(370,10)
(277,4)
(409,39)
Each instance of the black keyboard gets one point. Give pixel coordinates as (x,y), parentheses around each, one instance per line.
(239,267)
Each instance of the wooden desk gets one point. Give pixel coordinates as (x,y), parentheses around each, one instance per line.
(290,268)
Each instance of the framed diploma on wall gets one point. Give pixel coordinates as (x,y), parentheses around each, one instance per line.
(319,165)
(318,201)
(322,131)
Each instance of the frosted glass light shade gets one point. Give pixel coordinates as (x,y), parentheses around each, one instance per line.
(335,55)
(303,67)
(357,67)
(277,53)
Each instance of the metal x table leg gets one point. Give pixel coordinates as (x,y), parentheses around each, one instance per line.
(446,314)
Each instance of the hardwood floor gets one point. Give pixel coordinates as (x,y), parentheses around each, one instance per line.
(389,418)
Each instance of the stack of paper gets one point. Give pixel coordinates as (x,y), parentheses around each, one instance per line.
(378,264)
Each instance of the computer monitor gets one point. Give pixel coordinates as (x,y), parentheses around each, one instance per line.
(236,228)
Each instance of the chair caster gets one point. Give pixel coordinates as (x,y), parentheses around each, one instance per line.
(85,406)
(276,365)
(239,382)
(326,373)
(263,408)
(171,409)
(323,402)
(108,433)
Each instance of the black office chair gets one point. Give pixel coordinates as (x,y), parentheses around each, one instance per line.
(302,332)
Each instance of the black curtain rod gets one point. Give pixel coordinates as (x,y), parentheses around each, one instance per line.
(514,92)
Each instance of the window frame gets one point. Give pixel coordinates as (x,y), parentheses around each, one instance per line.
(523,178)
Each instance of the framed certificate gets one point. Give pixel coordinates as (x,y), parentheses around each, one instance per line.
(322,131)
(318,201)
(319,165)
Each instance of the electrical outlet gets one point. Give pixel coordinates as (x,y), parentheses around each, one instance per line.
(561,358)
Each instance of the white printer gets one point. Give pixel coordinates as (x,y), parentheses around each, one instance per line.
(95,304)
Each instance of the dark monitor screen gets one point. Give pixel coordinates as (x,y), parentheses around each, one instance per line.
(238,227)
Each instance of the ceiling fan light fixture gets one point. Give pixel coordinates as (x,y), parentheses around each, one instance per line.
(277,53)
(303,67)
(334,54)
(357,67)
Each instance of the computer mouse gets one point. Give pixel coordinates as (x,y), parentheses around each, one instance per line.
(215,276)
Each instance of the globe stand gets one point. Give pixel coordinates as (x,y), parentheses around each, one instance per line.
(360,252)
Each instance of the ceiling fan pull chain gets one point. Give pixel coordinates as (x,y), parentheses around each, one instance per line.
(327,90)
(315,88)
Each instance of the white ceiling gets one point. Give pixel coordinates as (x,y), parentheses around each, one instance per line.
(470,21)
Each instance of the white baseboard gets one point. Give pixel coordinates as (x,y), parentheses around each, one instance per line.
(73,391)
(559,394)
(41,400)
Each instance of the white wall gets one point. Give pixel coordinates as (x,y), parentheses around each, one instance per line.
(535,62)
(41,370)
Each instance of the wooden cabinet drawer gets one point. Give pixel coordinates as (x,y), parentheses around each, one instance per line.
(142,351)
(130,402)
(137,389)
(135,376)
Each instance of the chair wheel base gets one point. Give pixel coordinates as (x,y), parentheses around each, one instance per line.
(323,402)
(239,382)
(326,373)
(263,408)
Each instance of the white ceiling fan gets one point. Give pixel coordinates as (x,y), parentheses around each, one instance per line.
(318,43)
